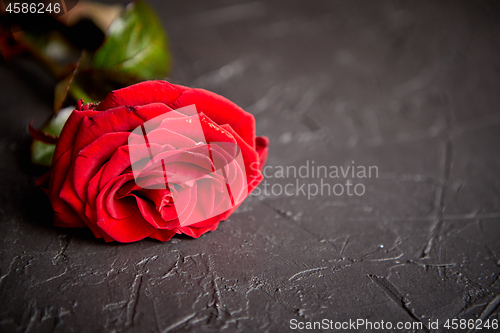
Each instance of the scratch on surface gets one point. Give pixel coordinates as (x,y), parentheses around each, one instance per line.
(426,266)
(345,244)
(306,101)
(55,277)
(216,301)
(146,260)
(307,271)
(472,216)
(113,306)
(173,270)
(387,259)
(36,313)
(222,74)
(257,285)
(2,278)
(60,255)
(132,302)
(261,105)
(440,265)
(290,219)
(476,124)
(155,313)
(294,222)
(417,83)
(391,292)
(179,322)
(496,280)
(436,230)
(490,308)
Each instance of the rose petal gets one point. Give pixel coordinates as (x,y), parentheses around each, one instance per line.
(163,136)
(91,158)
(92,193)
(163,235)
(69,132)
(115,166)
(261,145)
(64,216)
(197,232)
(142,93)
(206,196)
(128,229)
(221,111)
(185,202)
(251,160)
(157,208)
(150,214)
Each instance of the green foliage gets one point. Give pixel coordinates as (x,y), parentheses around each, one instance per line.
(42,153)
(135,47)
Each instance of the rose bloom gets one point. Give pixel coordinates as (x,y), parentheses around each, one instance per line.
(187,180)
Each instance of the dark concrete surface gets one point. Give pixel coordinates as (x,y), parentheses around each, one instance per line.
(409,87)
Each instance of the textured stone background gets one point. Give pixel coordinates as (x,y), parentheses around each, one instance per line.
(409,87)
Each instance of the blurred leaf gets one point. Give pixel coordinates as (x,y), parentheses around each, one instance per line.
(42,153)
(135,47)
(69,85)
(51,49)
(87,65)
(78,93)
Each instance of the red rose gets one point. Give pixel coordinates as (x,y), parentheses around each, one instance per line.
(152,160)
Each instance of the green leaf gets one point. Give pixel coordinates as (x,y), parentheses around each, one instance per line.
(52,50)
(69,85)
(135,47)
(42,153)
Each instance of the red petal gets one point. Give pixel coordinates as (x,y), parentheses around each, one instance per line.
(92,193)
(141,94)
(163,235)
(221,111)
(41,136)
(150,214)
(69,131)
(120,119)
(91,159)
(118,163)
(65,216)
(262,147)
(129,229)
(197,232)
(167,136)
(251,159)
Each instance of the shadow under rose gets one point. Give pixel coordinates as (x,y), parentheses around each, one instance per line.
(33,207)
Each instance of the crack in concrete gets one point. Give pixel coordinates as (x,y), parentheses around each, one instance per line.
(60,255)
(391,291)
(441,194)
(132,302)
(311,270)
